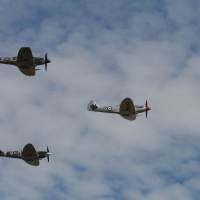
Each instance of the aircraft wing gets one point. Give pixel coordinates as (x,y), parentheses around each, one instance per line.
(130,117)
(127,107)
(25,57)
(30,155)
(28,71)
(29,151)
(33,162)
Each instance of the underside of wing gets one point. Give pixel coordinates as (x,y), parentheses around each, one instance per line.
(29,152)
(127,107)
(33,162)
(29,71)
(130,117)
(25,57)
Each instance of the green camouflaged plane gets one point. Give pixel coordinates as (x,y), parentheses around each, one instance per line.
(25,61)
(29,155)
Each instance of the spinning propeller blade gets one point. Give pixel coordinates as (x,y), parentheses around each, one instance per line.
(48,152)
(147,108)
(46,61)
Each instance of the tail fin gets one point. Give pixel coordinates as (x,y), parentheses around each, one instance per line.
(92,105)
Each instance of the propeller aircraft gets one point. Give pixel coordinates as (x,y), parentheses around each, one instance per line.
(25,61)
(126,109)
(28,154)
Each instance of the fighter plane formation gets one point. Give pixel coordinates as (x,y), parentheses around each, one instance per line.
(27,65)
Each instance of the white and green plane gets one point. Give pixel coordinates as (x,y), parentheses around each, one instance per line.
(126,109)
(29,155)
(25,61)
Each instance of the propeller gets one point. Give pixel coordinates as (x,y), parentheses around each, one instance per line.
(147,108)
(48,154)
(46,61)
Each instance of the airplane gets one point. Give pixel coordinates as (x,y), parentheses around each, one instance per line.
(126,109)
(29,155)
(25,61)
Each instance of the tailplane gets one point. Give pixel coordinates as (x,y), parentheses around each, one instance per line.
(92,105)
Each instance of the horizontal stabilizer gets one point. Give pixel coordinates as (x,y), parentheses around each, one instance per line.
(92,105)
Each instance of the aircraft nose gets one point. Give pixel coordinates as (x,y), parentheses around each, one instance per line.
(48,153)
(148,108)
(48,61)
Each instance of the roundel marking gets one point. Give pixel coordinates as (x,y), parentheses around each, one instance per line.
(6,59)
(109,108)
(26,51)
(14,153)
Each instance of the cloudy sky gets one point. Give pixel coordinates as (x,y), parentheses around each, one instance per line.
(105,51)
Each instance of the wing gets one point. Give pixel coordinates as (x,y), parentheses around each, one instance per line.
(33,162)
(127,106)
(130,117)
(30,155)
(25,61)
(25,57)
(29,152)
(28,71)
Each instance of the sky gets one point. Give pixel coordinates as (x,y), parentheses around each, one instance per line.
(103,51)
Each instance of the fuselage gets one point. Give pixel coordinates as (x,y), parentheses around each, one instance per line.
(116,109)
(140,109)
(19,154)
(13,61)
